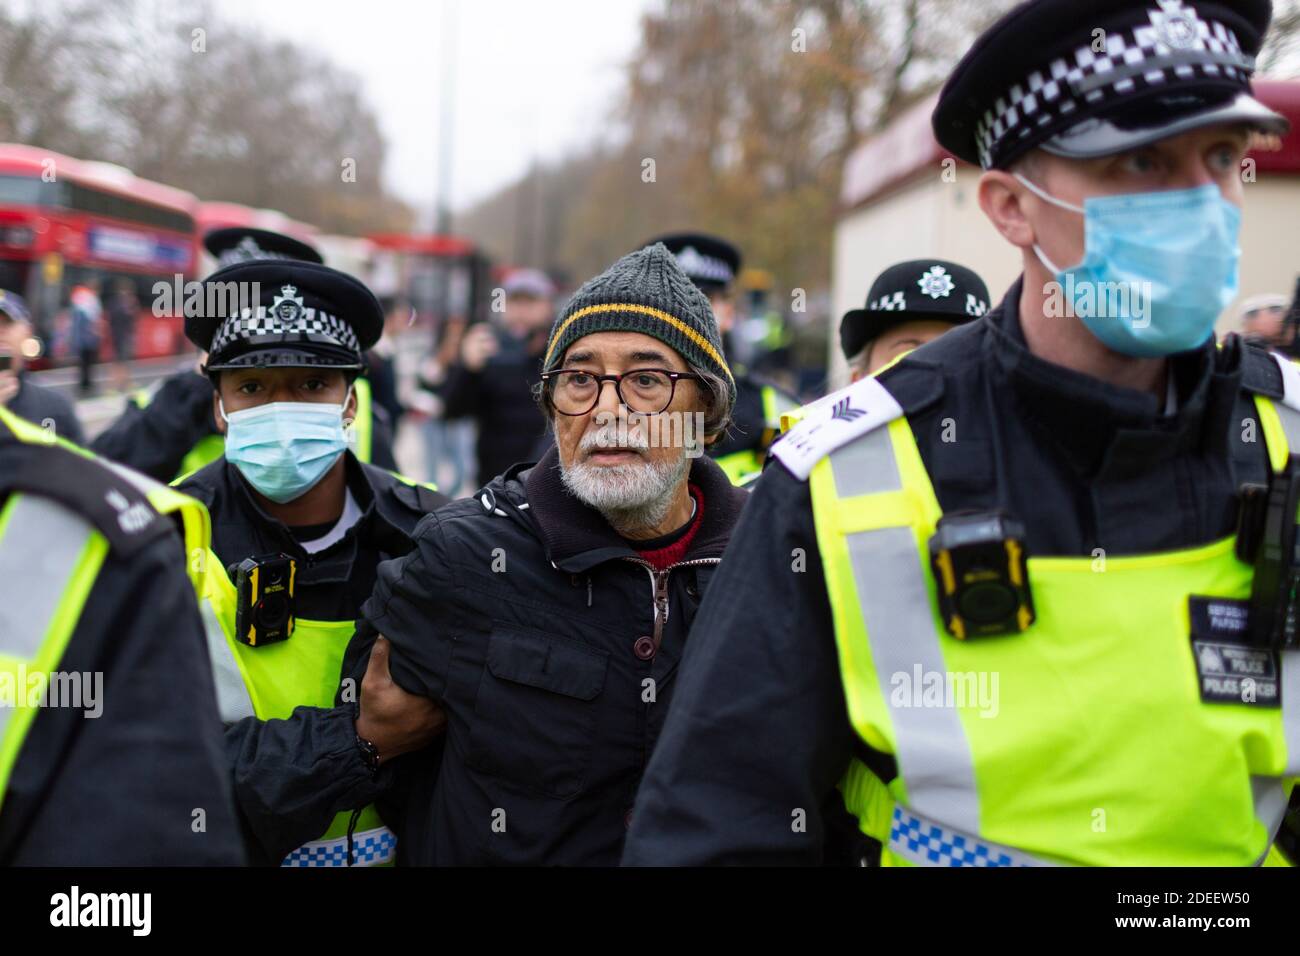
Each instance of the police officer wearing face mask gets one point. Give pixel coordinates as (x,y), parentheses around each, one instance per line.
(1026,597)
(299,528)
(170,432)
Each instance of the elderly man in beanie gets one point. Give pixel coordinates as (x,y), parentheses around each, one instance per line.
(548,615)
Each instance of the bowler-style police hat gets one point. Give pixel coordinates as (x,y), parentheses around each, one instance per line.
(305,315)
(1092,79)
(710,262)
(233,244)
(919,290)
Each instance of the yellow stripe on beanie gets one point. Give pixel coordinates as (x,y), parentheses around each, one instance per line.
(663,316)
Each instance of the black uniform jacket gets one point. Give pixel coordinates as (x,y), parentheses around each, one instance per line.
(47,408)
(139,777)
(519,611)
(292,776)
(749,429)
(155,439)
(759,725)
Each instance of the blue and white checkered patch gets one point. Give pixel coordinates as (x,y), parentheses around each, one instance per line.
(929,844)
(369,848)
(263,320)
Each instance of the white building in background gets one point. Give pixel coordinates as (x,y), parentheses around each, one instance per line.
(905,197)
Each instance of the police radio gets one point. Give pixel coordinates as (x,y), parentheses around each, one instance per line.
(980,569)
(264,614)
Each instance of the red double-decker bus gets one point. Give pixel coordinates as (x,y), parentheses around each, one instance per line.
(64,221)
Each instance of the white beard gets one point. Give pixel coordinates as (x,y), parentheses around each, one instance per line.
(630,496)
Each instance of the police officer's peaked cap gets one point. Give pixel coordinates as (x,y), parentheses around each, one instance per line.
(233,244)
(284,313)
(919,290)
(1092,79)
(710,262)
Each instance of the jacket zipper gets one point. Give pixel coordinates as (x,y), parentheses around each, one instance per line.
(659,591)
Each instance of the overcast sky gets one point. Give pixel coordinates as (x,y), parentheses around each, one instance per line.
(531,76)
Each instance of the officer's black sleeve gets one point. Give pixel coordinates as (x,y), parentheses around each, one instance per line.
(411,606)
(155,439)
(292,776)
(757,733)
(136,779)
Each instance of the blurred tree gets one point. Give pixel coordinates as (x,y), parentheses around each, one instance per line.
(177,94)
(50,62)
(747,110)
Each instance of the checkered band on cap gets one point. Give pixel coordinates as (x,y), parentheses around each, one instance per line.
(249,251)
(894,302)
(1176,46)
(268,320)
(699,266)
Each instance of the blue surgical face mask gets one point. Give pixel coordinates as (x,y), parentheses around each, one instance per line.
(285,448)
(1158,268)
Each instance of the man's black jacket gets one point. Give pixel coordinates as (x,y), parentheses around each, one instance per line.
(518,611)
(292,776)
(759,726)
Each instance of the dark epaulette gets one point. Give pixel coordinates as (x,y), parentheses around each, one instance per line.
(1259,371)
(115,507)
(416,496)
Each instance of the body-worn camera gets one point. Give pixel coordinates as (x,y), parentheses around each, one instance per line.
(264,614)
(979,565)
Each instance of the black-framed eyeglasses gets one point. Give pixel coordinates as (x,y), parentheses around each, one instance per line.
(646,391)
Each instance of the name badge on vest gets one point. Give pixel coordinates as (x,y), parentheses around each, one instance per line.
(1230,668)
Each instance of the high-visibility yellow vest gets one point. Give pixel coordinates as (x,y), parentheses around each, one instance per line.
(1082,740)
(50,558)
(743,466)
(268,682)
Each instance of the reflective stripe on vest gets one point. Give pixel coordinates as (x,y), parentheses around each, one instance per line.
(269,682)
(49,561)
(1038,776)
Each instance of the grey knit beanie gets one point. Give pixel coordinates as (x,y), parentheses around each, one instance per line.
(646,291)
